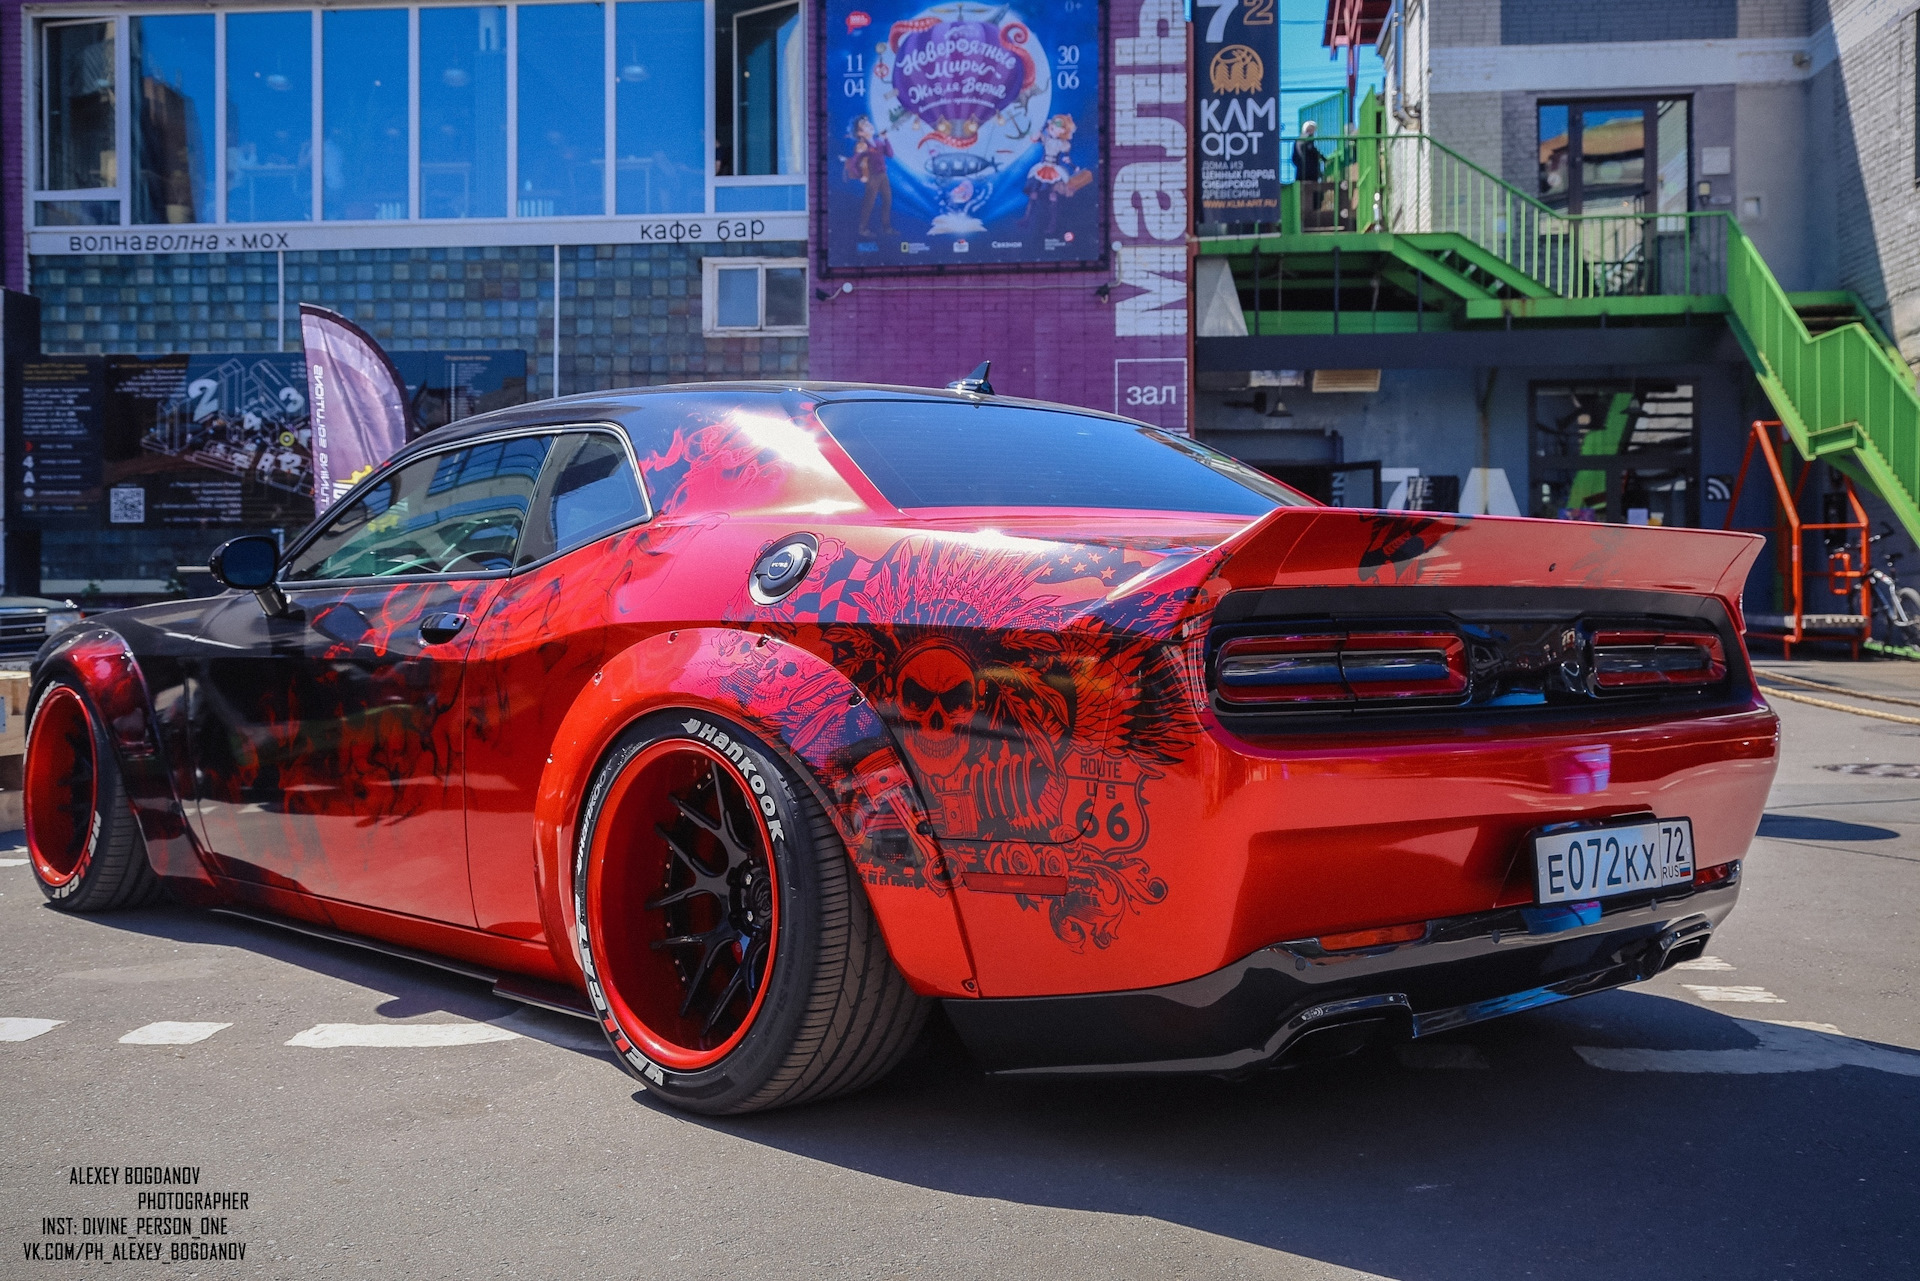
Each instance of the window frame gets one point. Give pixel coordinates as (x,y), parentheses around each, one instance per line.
(35,140)
(39,18)
(543,495)
(307,536)
(710,269)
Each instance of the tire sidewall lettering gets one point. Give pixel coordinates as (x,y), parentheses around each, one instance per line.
(739,756)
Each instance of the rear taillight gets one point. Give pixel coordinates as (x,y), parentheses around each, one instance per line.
(1626,661)
(1282,669)
(1341,668)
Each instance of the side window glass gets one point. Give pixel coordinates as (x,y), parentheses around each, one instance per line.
(460,512)
(591,491)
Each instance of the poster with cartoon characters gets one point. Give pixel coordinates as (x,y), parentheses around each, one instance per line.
(963,134)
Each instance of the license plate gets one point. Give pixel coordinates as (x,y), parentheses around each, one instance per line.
(1598,862)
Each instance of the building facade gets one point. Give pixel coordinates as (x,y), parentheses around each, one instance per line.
(643,191)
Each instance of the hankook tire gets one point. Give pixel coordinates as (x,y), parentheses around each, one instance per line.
(729,949)
(82,837)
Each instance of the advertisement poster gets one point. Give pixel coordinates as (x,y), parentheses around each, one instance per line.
(217,440)
(963,134)
(1237,81)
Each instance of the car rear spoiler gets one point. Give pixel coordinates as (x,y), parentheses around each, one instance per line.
(1346,547)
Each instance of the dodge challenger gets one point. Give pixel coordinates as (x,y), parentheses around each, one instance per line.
(752,721)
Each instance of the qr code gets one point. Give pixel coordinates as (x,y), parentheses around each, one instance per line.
(127,506)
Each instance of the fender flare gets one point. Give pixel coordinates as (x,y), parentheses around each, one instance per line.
(821,723)
(100,663)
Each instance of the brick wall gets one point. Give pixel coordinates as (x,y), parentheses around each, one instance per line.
(1586,22)
(1473,125)
(1053,335)
(1472,24)
(1869,96)
(1773,19)
(629,314)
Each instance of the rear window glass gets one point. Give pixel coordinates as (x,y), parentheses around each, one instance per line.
(922,453)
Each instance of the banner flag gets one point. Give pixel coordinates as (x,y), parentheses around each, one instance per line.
(357,401)
(1237,87)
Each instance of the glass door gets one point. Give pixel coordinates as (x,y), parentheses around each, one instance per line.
(1598,157)
(1616,452)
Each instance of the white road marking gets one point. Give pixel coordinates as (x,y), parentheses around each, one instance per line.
(13,862)
(1704,963)
(1750,995)
(26,1029)
(327,1036)
(1828,1028)
(165,1033)
(555,1029)
(1777,1048)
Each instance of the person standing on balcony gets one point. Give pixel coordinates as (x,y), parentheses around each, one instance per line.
(1307,172)
(1306,156)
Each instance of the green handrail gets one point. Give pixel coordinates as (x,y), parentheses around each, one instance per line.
(1839,394)
(1842,395)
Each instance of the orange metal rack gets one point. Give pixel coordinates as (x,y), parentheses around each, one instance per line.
(1846,564)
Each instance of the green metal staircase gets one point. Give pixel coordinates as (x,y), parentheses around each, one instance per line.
(1422,239)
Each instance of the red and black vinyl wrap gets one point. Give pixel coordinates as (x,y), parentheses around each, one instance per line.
(1007,715)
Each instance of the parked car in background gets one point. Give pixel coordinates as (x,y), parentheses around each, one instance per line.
(26,622)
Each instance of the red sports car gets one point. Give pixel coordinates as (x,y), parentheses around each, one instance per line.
(764,716)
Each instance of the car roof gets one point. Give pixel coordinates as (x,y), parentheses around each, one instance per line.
(624,406)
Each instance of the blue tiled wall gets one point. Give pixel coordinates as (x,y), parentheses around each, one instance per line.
(629,314)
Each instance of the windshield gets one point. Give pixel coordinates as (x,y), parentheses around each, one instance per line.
(939,453)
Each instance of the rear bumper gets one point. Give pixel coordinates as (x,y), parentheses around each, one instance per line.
(1292,1001)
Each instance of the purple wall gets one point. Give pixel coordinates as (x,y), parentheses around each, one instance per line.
(1048,333)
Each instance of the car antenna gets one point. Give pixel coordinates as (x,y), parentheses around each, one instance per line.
(975,382)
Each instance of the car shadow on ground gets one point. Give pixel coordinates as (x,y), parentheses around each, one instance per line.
(1812,827)
(1495,1152)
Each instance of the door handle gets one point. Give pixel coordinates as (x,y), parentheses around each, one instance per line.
(438,629)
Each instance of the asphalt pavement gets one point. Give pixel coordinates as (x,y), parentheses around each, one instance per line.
(1753,1115)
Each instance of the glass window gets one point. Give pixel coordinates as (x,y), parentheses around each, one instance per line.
(753,296)
(660,107)
(1618,452)
(76,123)
(592,492)
(363,169)
(463,112)
(76,213)
(173,129)
(786,297)
(454,513)
(738,305)
(769,79)
(926,453)
(562,110)
(1674,184)
(1555,150)
(269,117)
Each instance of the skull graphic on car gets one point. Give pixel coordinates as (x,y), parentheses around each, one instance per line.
(938,701)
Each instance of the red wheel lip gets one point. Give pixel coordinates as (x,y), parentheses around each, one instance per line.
(644,1038)
(43,774)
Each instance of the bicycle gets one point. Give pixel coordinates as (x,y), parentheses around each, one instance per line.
(1899,606)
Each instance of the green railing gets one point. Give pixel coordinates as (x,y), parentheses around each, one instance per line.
(1407,182)
(1840,395)
(1843,395)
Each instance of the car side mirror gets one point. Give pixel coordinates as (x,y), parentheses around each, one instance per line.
(248,564)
